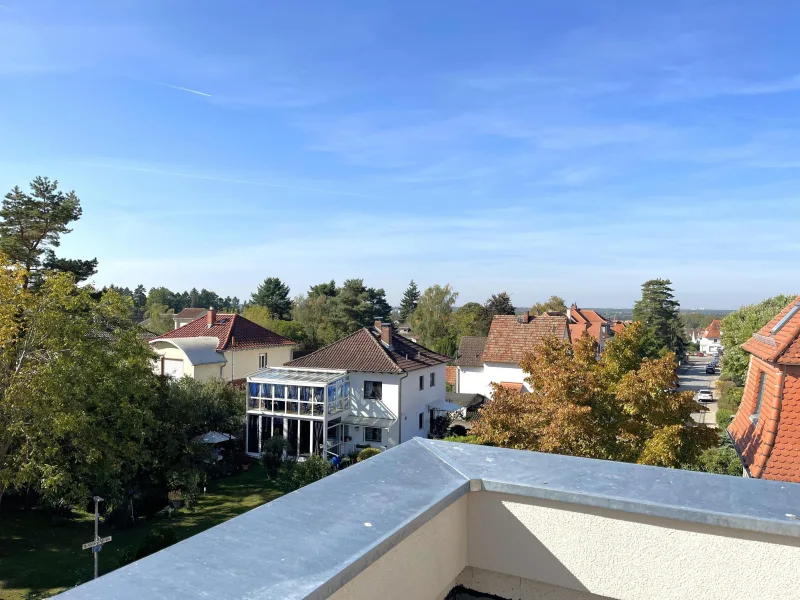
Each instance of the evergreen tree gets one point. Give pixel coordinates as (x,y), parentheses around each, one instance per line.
(327,289)
(499,304)
(139,297)
(274,294)
(31,225)
(659,314)
(409,303)
(194,299)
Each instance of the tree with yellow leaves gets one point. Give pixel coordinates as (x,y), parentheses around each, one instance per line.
(620,407)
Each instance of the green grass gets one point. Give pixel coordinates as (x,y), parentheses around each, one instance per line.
(39,558)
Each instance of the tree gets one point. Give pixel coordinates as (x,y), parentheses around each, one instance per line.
(311,312)
(74,378)
(409,302)
(739,326)
(327,289)
(618,408)
(139,298)
(32,225)
(658,311)
(290,329)
(499,304)
(431,319)
(470,319)
(274,294)
(553,304)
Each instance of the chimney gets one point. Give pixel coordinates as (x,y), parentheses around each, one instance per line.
(526,317)
(378,324)
(386,334)
(211,317)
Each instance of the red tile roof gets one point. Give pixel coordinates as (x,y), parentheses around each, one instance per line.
(191,313)
(450,374)
(510,338)
(232,331)
(364,351)
(585,321)
(783,346)
(618,327)
(713,331)
(511,385)
(470,351)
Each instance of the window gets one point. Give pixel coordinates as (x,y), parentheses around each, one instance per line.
(262,361)
(373,390)
(421,420)
(760,397)
(422,382)
(433,379)
(372,434)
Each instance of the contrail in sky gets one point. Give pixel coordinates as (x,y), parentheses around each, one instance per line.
(183,89)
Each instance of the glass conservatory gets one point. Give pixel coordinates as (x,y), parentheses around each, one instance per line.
(300,405)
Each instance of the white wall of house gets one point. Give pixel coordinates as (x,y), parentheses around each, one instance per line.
(470,380)
(175,361)
(390,390)
(416,400)
(478,380)
(709,345)
(243,362)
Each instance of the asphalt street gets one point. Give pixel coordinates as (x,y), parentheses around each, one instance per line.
(693,376)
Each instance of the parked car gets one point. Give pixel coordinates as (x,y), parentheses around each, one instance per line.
(701,354)
(705,396)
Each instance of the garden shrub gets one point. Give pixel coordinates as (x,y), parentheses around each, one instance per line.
(155,540)
(458,431)
(731,398)
(722,460)
(367,453)
(295,474)
(724,417)
(272,451)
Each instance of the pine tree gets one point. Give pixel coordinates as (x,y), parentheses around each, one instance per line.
(658,312)
(409,303)
(274,294)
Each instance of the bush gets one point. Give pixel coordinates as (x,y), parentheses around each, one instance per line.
(272,454)
(156,540)
(464,439)
(731,398)
(724,417)
(440,425)
(458,431)
(722,460)
(368,453)
(294,475)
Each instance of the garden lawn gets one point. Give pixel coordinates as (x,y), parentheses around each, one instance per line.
(39,558)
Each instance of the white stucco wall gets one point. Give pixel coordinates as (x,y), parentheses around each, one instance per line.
(423,566)
(168,351)
(243,362)
(390,391)
(415,401)
(500,372)
(625,556)
(470,380)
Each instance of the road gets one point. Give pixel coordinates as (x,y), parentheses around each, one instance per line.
(693,377)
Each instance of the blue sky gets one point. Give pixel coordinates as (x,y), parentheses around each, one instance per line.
(570,148)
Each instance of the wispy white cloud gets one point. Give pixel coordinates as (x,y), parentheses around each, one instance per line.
(697,88)
(183,89)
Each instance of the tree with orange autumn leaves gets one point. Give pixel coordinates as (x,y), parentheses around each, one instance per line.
(620,407)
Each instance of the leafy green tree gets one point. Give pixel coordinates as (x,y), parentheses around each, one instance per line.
(159,318)
(32,225)
(499,304)
(431,321)
(721,460)
(658,311)
(470,319)
(327,289)
(312,314)
(290,329)
(74,376)
(739,326)
(274,294)
(409,302)
(553,304)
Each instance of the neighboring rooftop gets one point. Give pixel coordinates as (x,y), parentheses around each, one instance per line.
(426,515)
(232,332)
(585,321)
(470,351)
(191,313)
(777,341)
(713,331)
(511,337)
(365,351)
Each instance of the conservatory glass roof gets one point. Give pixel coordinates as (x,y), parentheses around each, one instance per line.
(281,374)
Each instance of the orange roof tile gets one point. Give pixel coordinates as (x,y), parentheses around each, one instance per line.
(450,374)
(511,385)
(232,331)
(782,346)
(585,321)
(713,331)
(510,338)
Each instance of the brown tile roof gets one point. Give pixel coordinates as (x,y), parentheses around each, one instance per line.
(470,351)
(511,385)
(363,351)
(191,313)
(585,321)
(713,331)
(232,331)
(618,327)
(510,338)
(783,346)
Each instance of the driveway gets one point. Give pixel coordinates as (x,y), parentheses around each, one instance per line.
(692,376)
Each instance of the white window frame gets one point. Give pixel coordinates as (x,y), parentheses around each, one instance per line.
(373,441)
(262,360)
(373,383)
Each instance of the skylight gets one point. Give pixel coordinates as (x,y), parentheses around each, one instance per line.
(785,319)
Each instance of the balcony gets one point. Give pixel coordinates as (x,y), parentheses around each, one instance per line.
(428,520)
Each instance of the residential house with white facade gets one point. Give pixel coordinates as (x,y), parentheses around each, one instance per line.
(220,345)
(711,340)
(373,388)
(496,358)
(187,315)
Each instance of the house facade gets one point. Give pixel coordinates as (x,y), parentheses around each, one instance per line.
(373,388)
(766,428)
(219,345)
(585,321)
(710,341)
(187,315)
(497,357)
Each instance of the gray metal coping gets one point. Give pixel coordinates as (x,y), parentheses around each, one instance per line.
(309,543)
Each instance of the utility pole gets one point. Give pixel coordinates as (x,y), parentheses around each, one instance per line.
(97,544)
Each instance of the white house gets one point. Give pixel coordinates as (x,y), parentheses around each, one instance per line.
(496,358)
(220,345)
(371,388)
(711,340)
(187,315)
